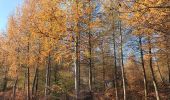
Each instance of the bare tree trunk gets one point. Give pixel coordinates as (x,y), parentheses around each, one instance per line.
(90,64)
(46,82)
(34,83)
(28,69)
(159,71)
(16,80)
(122,64)
(25,81)
(160,74)
(143,68)
(28,83)
(152,72)
(55,73)
(14,88)
(115,67)
(78,59)
(36,86)
(47,77)
(90,52)
(77,55)
(77,86)
(49,71)
(103,64)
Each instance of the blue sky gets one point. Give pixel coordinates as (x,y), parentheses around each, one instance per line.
(7,7)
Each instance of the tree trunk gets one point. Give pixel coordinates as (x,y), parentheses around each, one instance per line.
(103,64)
(122,65)
(77,87)
(49,70)
(36,86)
(143,68)
(115,67)
(159,71)
(34,83)
(25,81)
(152,72)
(77,56)
(90,52)
(28,69)
(90,63)
(55,73)
(14,88)
(28,83)
(47,77)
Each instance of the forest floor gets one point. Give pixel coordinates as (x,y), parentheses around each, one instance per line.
(132,94)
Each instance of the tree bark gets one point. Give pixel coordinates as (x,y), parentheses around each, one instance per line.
(77,56)
(14,88)
(143,68)
(77,85)
(152,72)
(34,83)
(28,83)
(90,52)
(115,67)
(122,65)
(47,77)
(159,71)
(28,69)
(25,81)
(103,64)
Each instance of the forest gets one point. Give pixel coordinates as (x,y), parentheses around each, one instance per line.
(86,50)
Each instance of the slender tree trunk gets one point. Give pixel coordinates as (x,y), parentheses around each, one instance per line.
(14,88)
(152,72)
(36,78)
(28,83)
(16,80)
(90,63)
(77,56)
(77,86)
(36,86)
(46,82)
(55,73)
(25,81)
(143,68)
(90,52)
(159,71)
(28,69)
(103,65)
(47,77)
(49,70)
(160,74)
(34,83)
(78,62)
(115,67)
(122,65)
